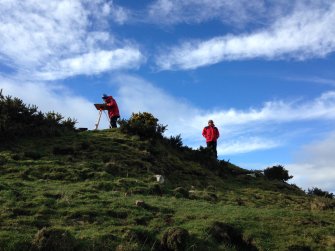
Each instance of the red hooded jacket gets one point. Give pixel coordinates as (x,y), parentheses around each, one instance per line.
(113,109)
(211,133)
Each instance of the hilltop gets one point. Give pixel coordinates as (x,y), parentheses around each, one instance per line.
(78,191)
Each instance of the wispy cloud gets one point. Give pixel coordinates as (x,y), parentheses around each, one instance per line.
(171,12)
(305,34)
(247,144)
(317,80)
(92,63)
(136,94)
(55,38)
(119,14)
(315,165)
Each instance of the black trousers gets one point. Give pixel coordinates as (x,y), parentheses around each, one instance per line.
(113,121)
(212,145)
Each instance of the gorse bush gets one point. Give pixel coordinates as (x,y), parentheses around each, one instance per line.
(277,173)
(18,119)
(143,124)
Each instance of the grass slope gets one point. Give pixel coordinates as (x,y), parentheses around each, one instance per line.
(78,192)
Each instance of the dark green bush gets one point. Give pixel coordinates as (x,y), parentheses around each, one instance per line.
(18,119)
(277,173)
(176,141)
(63,150)
(175,239)
(143,124)
(53,240)
(155,189)
(299,248)
(3,160)
(17,157)
(181,192)
(33,155)
(228,234)
(85,145)
(318,192)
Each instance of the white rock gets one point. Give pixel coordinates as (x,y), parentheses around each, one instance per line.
(139,203)
(159,178)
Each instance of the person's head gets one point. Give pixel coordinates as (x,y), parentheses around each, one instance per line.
(104,96)
(210,122)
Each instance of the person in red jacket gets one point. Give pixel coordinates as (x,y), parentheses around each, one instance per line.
(211,133)
(113,110)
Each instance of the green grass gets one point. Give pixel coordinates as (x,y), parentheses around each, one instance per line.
(87,184)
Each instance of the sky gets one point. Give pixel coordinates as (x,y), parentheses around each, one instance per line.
(263,70)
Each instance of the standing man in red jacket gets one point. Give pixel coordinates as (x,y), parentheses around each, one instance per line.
(113,110)
(211,133)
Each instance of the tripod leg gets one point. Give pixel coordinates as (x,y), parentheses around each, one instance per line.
(97,124)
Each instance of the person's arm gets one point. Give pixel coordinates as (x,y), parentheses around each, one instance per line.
(110,104)
(204,132)
(218,133)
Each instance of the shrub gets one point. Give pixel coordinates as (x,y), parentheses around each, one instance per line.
(175,239)
(202,155)
(52,240)
(318,192)
(18,119)
(228,234)
(63,150)
(3,160)
(143,124)
(277,173)
(176,141)
(299,248)
(155,189)
(320,204)
(33,155)
(181,192)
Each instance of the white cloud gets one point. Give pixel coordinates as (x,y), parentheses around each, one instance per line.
(196,11)
(281,111)
(43,36)
(314,79)
(235,13)
(92,63)
(119,14)
(246,144)
(315,165)
(306,33)
(52,97)
(237,135)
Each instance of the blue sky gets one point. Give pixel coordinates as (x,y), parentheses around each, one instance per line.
(262,70)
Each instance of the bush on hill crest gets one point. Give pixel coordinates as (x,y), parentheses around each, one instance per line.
(143,124)
(18,119)
(277,173)
(319,192)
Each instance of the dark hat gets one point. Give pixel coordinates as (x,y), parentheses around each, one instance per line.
(104,96)
(210,121)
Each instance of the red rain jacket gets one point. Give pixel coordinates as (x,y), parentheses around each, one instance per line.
(211,133)
(113,109)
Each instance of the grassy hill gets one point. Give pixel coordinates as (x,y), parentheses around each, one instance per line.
(96,190)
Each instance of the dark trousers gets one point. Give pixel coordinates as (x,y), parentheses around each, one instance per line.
(212,145)
(113,121)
